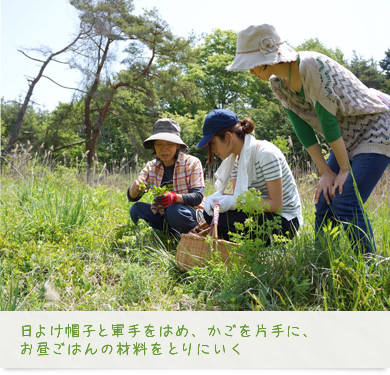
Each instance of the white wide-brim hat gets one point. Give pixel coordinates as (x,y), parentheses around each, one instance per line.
(260,45)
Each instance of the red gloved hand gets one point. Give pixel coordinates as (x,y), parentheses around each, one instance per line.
(167,199)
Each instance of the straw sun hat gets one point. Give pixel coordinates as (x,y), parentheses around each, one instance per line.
(260,45)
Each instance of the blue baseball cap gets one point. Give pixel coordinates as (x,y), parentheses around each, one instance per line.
(216,120)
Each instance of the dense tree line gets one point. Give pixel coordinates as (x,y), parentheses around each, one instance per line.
(164,75)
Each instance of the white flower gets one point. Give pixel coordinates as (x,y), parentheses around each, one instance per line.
(267,45)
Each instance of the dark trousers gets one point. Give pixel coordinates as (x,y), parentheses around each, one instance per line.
(227,219)
(345,208)
(178,217)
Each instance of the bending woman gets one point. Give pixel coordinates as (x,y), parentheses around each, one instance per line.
(318,93)
(249,163)
(181,208)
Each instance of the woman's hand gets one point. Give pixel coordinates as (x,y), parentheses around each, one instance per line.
(227,203)
(167,199)
(329,181)
(136,189)
(339,182)
(325,186)
(340,152)
(209,203)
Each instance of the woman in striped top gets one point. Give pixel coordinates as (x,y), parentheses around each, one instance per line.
(248,163)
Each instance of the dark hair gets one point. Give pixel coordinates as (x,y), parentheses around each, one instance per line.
(243,127)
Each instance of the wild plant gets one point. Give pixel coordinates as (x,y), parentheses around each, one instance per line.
(255,234)
(79,236)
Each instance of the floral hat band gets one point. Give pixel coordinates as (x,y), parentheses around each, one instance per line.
(260,45)
(266,45)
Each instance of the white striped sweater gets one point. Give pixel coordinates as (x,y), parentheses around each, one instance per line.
(270,164)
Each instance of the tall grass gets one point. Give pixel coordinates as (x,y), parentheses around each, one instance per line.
(10,298)
(48,201)
(66,244)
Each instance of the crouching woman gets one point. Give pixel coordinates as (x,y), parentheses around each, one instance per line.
(180,209)
(248,163)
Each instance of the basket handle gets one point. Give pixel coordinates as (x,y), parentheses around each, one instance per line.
(214,222)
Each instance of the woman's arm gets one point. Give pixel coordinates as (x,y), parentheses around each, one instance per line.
(193,198)
(196,192)
(340,152)
(329,181)
(134,192)
(327,175)
(135,189)
(303,130)
(234,180)
(332,134)
(274,202)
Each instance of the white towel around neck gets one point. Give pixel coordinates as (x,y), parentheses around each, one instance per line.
(245,170)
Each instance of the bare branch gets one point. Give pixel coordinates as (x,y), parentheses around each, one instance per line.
(29,57)
(61,62)
(15,132)
(68,146)
(146,70)
(41,61)
(65,87)
(127,84)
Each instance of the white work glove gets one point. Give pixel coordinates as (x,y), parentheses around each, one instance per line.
(209,203)
(227,203)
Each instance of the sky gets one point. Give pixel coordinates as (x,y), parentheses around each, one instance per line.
(351,25)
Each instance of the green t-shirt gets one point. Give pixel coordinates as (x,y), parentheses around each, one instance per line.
(305,132)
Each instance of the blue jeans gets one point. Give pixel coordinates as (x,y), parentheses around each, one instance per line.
(367,170)
(178,217)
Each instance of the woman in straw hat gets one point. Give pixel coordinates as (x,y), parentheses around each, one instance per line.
(181,207)
(318,93)
(249,163)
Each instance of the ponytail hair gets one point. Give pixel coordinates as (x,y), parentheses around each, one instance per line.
(243,127)
(247,126)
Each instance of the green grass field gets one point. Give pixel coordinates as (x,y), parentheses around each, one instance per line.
(68,245)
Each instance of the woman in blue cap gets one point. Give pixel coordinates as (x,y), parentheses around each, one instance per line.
(320,94)
(248,163)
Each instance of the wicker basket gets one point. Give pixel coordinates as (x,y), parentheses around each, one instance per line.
(193,249)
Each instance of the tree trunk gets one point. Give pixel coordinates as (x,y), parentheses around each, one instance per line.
(92,132)
(22,111)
